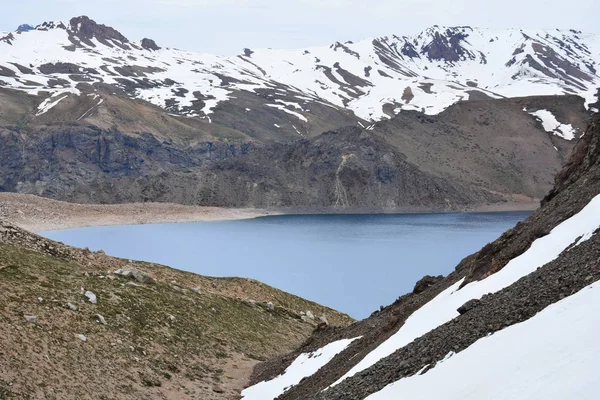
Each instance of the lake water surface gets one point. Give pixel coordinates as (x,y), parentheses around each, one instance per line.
(353,263)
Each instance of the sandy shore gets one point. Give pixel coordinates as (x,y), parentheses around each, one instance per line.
(40,214)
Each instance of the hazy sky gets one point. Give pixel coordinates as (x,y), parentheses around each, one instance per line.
(227,26)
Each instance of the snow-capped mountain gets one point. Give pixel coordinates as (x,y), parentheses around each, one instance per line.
(374,78)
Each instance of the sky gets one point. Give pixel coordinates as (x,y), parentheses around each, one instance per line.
(227,26)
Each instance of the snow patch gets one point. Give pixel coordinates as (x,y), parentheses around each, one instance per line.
(53,100)
(304,365)
(551,125)
(282,108)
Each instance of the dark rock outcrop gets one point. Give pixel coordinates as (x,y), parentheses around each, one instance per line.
(426,282)
(85,29)
(149,44)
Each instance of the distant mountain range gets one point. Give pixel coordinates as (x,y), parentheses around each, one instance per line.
(450,119)
(374,78)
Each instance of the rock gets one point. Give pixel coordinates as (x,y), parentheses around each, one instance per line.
(270,306)
(149,44)
(91,297)
(304,318)
(72,307)
(172,318)
(31,319)
(310,315)
(323,320)
(425,282)
(41,299)
(469,305)
(218,388)
(83,338)
(101,319)
(148,380)
(134,273)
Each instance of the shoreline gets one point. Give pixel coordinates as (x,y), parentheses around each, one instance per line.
(39,214)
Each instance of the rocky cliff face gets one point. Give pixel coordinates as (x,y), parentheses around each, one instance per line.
(481,153)
(577,266)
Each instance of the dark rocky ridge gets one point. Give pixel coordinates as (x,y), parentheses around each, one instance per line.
(574,269)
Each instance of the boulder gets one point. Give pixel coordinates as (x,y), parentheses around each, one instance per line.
(323,320)
(469,305)
(134,273)
(31,319)
(218,388)
(91,297)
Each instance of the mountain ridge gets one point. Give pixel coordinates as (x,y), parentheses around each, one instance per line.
(374,78)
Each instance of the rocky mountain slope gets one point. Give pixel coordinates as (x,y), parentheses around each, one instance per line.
(518,317)
(476,153)
(75,322)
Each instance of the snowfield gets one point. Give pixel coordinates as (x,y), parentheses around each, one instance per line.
(443,307)
(554,355)
(396,71)
(305,365)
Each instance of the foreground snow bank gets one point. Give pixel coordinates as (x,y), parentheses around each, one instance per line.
(553,356)
(442,308)
(305,365)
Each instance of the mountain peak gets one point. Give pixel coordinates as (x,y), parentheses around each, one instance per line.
(48,25)
(85,29)
(25,28)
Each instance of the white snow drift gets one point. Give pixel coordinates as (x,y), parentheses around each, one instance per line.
(305,365)
(553,356)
